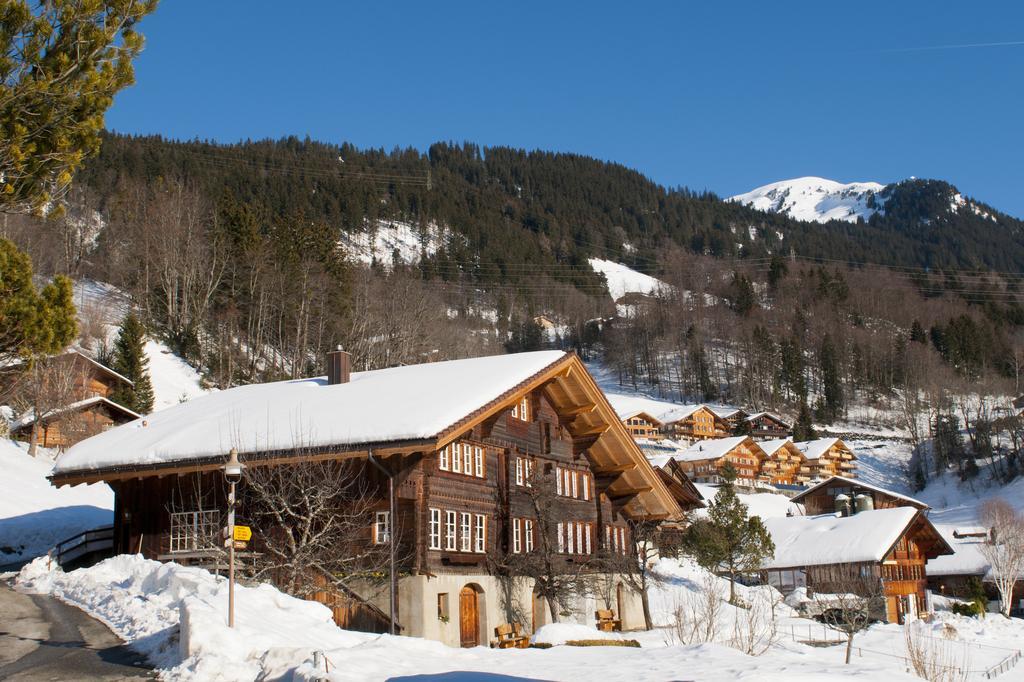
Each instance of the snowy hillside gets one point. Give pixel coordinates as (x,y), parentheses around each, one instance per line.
(33,514)
(623,280)
(814,199)
(390,240)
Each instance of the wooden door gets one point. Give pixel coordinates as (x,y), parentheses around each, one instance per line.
(469,618)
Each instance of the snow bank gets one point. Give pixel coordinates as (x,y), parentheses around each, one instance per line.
(34,516)
(560,633)
(174,380)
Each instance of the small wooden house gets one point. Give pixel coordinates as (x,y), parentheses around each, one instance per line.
(465,446)
(838,492)
(733,417)
(767,425)
(880,553)
(704,460)
(783,463)
(63,427)
(827,457)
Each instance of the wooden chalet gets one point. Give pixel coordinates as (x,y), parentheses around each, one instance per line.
(63,427)
(878,553)
(783,464)
(827,457)
(643,426)
(703,461)
(84,386)
(767,425)
(465,444)
(839,493)
(953,575)
(734,418)
(699,422)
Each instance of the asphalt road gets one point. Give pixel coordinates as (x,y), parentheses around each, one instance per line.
(42,638)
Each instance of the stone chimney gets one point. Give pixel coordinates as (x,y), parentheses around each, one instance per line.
(339,367)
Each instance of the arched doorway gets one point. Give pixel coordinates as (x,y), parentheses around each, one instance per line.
(469,616)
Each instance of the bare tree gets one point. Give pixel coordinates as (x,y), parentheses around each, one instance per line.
(852,604)
(1004,551)
(696,618)
(935,659)
(559,582)
(318,525)
(635,567)
(47,386)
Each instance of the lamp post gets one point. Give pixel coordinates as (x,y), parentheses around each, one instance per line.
(233,474)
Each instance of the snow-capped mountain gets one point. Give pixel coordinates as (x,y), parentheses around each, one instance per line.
(815,199)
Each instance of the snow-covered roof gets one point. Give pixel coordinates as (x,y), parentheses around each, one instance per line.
(710,449)
(857,483)
(396,404)
(770,447)
(832,539)
(627,406)
(76,351)
(770,415)
(658,461)
(28,418)
(966,559)
(814,449)
(725,411)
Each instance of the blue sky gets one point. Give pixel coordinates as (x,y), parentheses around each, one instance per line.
(718,95)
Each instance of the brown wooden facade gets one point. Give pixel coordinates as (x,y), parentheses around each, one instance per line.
(821,499)
(784,466)
(460,497)
(66,427)
(642,426)
(838,460)
(767,425)
(702,424)
(746,458)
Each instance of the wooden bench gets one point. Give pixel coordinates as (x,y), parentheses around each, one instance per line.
(511,636)
(606,621)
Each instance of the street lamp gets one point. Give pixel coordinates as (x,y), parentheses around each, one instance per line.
(233,474)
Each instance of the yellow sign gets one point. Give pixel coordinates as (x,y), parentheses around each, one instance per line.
(243,533)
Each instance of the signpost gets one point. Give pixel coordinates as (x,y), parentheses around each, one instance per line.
(242,534)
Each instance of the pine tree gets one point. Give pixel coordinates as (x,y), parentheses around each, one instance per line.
(804,427)
(32,323)
(917,333)
(728,540)
(832,386)
(130,360)
(64,61)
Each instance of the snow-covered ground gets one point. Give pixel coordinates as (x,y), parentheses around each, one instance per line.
(814,199)
(623,280)
(389,240)
(34,515)
(176,616)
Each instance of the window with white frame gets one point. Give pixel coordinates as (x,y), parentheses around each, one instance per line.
(442,458)
(586,533)
(465,533)
(570,546)
(382,528)
(435,529)
(480,545)
(467,459)
(195,530)
(558,481)
(457,457)
(586,486)
(575,484)
(519,470)
(517,536)
(529,473)
(561,539)
(450,520)
(528,532)
(478,459)
(579,537)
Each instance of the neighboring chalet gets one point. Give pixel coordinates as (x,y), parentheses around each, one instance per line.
(465,444)
(702,462)
(62,427)
(874,552)
(733,417)
(767,425)
(76,404)
(783,464)
(696,423)
(642,426)
(827,457)
(951,576)
(838,492)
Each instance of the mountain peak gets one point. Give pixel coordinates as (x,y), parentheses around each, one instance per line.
(814,199)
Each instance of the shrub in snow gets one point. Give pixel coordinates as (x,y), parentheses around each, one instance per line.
(559,633)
